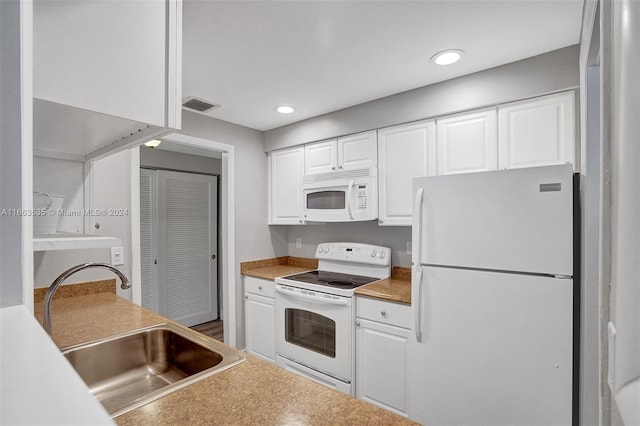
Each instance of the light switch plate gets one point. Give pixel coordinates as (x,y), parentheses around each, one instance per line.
(117,256)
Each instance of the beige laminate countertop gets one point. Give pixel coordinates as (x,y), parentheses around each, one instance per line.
(397,288)
(252,393)
(270,269)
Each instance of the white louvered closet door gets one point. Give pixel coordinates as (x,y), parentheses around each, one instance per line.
(187,247)
(148,239)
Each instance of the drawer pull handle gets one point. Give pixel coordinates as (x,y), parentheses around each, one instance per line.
(260,287)
(383,313)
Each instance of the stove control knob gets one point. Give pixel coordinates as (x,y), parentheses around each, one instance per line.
(374,253)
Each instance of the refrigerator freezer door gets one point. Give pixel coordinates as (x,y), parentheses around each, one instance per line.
(496,350)
(509,220)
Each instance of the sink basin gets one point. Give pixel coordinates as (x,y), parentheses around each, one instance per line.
(131,369)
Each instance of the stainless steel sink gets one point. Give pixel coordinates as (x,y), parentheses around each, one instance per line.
(131,369)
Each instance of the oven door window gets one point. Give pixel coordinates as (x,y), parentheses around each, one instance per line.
(326,200)
(311,331)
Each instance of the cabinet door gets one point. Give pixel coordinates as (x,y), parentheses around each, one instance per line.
(405,152)
(537,132)
(285,192)
(468,142)
(259,327)
(357,151)
(381,365)
(320,157)
(121,58)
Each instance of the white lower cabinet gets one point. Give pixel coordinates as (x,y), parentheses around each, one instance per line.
(260,318)
(382,343)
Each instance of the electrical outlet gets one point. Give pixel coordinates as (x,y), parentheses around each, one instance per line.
(298,242)
(408,247)
(117,256)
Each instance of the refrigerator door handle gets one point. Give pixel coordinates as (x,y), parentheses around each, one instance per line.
(416,301)
(417,227)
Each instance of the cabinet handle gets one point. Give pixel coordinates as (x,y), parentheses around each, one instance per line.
(380,221)
(383,313)
(340,167)
(246,297)
(333,167)
(358,323)
(260,287)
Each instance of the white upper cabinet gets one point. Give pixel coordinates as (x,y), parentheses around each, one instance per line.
(104,70)
(404,152)
(537,132)
(321,157)
(352,152)
(357,151)
(286,168)
(467,142)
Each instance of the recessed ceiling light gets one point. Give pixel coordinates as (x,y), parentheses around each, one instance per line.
(153,143)
(447,57)
(285,109)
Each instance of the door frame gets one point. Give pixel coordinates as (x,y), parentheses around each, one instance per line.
(227,226)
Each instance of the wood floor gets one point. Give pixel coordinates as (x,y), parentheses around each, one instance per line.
(211,329)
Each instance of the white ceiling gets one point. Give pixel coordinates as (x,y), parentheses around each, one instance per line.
(322,56)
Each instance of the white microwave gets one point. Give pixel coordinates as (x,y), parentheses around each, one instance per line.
(342,196)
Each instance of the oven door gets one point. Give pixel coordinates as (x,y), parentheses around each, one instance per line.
(315,329)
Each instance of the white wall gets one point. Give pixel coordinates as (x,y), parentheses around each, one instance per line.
(10,154)
(590,322)
(254,238)
(625,207)
(395,237)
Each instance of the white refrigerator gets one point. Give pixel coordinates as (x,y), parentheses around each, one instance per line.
(493,298)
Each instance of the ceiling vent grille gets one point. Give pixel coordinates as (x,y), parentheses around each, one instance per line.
(198,104)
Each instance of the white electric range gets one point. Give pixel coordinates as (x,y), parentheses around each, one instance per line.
(315,314)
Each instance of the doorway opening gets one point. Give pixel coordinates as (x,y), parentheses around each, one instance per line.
(226,247)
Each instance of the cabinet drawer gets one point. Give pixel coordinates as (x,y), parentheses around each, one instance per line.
(264,288)
(385,312)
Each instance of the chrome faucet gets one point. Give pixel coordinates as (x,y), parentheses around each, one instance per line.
(48,298)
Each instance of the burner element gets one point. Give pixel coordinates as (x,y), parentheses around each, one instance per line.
(332,279)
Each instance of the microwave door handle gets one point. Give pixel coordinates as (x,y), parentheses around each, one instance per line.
(349,199)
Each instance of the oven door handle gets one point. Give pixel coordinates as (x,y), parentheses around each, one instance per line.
(314,299)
